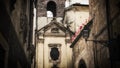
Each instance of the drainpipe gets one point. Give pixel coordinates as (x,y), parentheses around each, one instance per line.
(35,37)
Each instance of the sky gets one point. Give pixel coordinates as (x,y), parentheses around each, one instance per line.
(80,1)
(76,1)
(84,1)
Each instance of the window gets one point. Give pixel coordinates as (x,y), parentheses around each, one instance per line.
(55,30)
(54,53)
(51,9)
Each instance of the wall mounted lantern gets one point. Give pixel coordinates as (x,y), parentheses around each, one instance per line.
(86,33)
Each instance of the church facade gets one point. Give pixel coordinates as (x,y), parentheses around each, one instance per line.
(52,38)
(52,48)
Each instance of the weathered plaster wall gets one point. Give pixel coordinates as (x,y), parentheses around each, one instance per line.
(12,32)
(75,16)
(43,55)
(42,21)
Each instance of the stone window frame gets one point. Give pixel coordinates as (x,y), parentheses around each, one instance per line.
(59,49)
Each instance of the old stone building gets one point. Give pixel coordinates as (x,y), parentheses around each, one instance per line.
(16,33)
(68,34)
(75,15)
(97,46)
(52,37)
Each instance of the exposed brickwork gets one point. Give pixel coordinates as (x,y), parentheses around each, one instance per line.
(42,5)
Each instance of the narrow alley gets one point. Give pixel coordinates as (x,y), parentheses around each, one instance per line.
(59,34)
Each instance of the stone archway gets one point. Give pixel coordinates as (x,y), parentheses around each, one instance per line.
(51,7)
(82,64)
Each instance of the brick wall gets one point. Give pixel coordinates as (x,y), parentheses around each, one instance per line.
(42,7)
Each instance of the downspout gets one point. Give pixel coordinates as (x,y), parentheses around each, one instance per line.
(36,28)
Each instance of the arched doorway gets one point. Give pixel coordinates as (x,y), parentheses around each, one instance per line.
(51,9)
(82,64)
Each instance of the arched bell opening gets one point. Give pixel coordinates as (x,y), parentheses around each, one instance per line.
(51,9)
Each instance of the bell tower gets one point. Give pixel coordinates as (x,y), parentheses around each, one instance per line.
(49,9)
(50,5)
